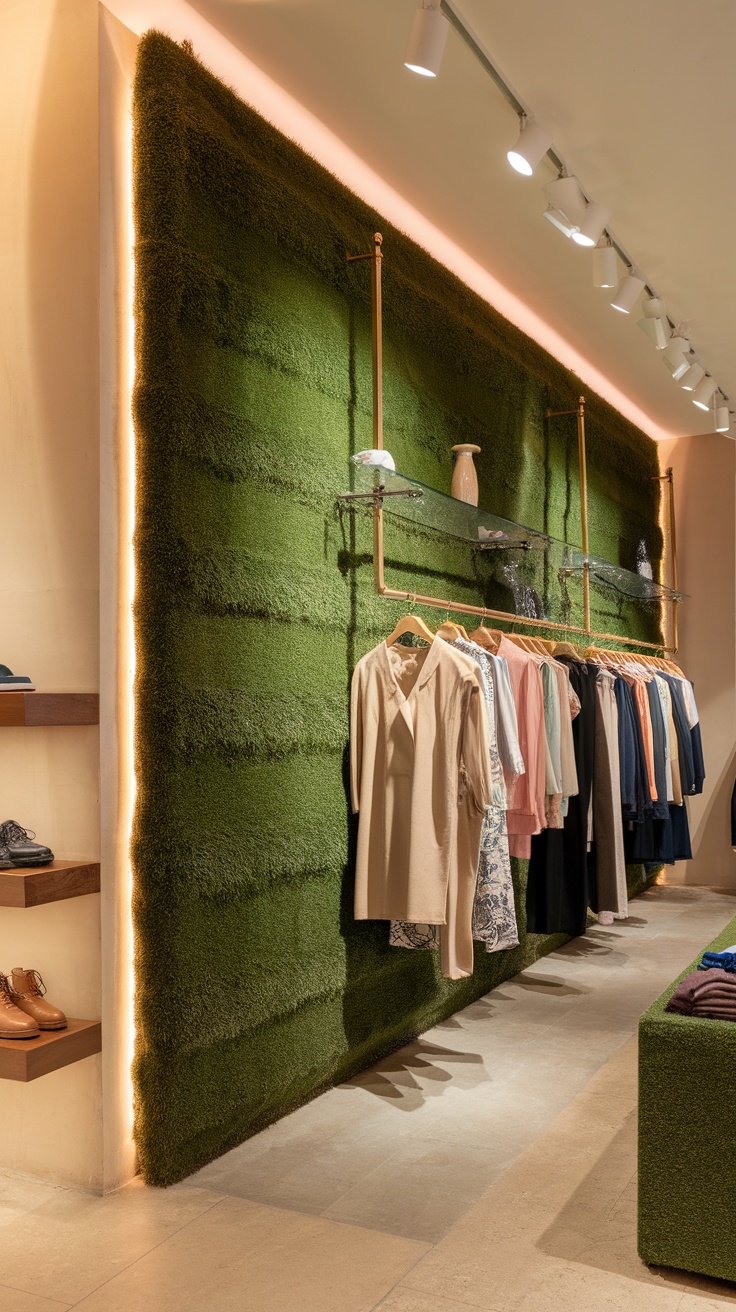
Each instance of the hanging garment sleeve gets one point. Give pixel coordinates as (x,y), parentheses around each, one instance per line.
(356,737)
(475,745)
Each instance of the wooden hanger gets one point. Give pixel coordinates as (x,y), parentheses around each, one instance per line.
(450,631)
(410,624)
(547,645)
(566,649)
(488,638)
(536,645)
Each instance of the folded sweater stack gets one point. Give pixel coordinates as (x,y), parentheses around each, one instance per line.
(709,993)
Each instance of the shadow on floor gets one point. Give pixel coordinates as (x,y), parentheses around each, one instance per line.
(400,1077)
(598,1225)
(550,985)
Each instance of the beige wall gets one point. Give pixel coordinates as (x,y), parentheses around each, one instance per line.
(49,564)
(704,470)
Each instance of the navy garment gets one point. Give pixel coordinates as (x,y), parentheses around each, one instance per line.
(698,761)
(660,808)
(558,885)
(724,960)
(643,794)
(666,837)
(627,749)
(684,736)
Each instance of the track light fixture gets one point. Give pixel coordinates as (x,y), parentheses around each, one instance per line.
(566,208)
(593,225)
(655,323)
(627,292)
(656,331)
(605,265)
(723,416)
(654,308)
(427,37)
(675,354)
(703,394)
(531,147)
(692,376)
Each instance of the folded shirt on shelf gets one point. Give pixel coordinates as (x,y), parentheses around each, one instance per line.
(710,993)
(719,960)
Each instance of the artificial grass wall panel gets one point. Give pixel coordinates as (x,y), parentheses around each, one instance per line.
(255,596)
(687,1135)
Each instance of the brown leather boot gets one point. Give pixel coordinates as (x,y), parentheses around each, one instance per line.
(27,990)
(14,1023)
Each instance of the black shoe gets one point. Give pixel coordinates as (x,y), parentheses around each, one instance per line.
(5,862)
(16,844)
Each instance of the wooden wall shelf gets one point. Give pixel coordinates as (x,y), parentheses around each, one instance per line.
(27,1059)
(53,883)
(43,709)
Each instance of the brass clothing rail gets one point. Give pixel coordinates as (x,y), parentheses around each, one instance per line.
(420,599)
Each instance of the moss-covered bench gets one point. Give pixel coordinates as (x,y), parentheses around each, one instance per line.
(687,1136)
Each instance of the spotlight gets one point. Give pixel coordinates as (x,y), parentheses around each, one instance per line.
(723,417)
(656,331)
(703,394)
(559,220)
(654,308)
(566,209)
(627,293)
(594,222)
(426,44)
(692,377)
(531,147)
(674,355)
(605,266)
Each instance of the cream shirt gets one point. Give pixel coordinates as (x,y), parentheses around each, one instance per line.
(419,749)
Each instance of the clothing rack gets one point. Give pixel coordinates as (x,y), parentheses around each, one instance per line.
(447,605)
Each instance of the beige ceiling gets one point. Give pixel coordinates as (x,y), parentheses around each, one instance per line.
(639,98)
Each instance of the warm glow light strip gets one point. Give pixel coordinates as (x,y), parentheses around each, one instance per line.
(181,22)
(127,634)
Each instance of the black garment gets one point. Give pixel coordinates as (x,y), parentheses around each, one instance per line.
(558,882)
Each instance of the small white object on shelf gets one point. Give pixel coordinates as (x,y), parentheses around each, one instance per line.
(379,459)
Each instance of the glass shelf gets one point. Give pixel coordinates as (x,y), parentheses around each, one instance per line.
(408,499)
(623,580)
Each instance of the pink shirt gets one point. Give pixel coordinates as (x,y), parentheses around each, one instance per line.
(526,813)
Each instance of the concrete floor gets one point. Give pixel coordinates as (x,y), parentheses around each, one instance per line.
(489,1165)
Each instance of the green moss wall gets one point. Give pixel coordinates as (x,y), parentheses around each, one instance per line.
(255,987)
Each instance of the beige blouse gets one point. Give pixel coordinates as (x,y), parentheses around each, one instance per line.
(419,751)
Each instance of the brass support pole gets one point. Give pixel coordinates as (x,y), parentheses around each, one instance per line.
(671,538)
(378,574)
(583,472)
(377,344)
(376,257)
(673,548)
(583,465)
